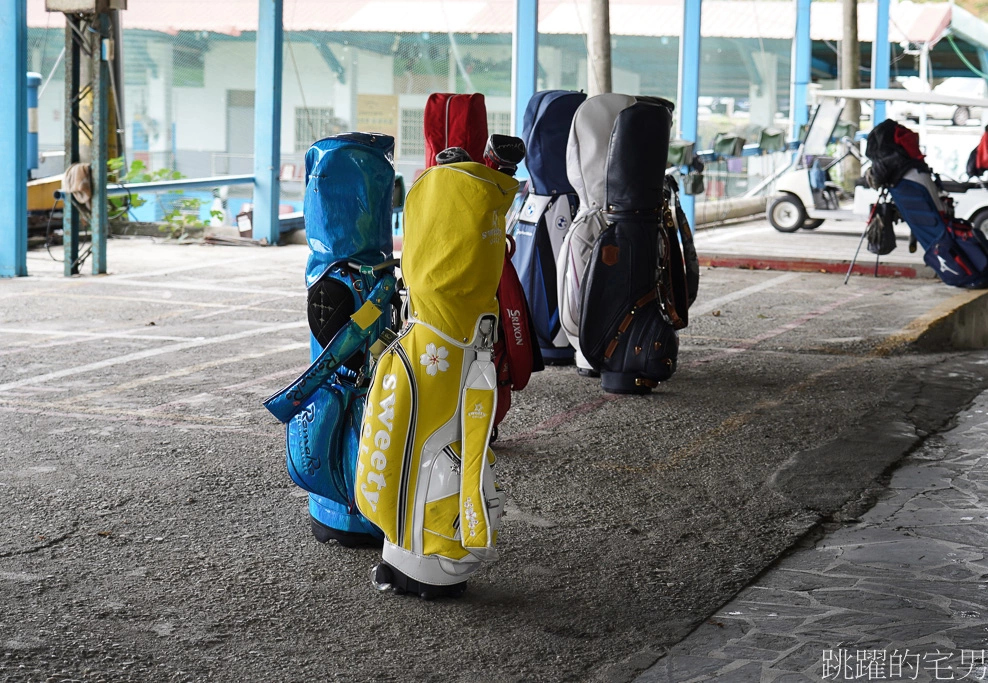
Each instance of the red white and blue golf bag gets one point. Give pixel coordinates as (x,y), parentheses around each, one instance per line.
(546,215)
(639,279)
(351,306)
(953,248)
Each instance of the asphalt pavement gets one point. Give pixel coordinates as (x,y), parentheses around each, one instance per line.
(153,533)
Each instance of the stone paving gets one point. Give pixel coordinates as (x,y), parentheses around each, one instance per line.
(899,594)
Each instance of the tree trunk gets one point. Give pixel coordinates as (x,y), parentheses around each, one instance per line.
(599,48)
(849,78)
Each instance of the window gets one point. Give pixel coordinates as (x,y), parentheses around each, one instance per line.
(315,123)
(412,133)
(412,143)
(499,123)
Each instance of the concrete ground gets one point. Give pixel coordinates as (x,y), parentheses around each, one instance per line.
(898,594)
(153,533)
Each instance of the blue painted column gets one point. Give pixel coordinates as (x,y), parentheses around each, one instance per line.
(267,121)
(33,83)
(689,86)
(13,139)
(100,154)
(802,53)
(881,57)
(526,59)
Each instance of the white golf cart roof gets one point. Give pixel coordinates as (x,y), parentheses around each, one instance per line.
(895,95)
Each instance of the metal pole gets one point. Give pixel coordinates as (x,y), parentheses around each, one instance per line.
(924,74)
(599,48)
(689,86)
(73,76)
(102,55)
(799,81)
(881,56)
(13,140)
(526,50)
(267,121)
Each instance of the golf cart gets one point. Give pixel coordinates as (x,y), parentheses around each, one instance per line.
(807,197)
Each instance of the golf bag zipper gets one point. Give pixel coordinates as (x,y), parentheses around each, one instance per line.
(409,440)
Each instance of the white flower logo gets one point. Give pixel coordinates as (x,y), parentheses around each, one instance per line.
(434,359)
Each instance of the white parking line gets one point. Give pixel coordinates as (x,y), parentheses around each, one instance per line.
(199,286)
(93,335)
(150,353)
(713,304)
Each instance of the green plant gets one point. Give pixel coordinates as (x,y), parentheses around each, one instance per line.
(180,218)
(184,216)
(120,205)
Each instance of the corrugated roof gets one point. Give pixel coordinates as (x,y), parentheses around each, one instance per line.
(769,19)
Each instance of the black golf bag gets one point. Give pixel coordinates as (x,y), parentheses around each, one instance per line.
(638,285)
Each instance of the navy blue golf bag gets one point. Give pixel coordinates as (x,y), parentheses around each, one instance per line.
(351,306)
(640,279)
(546,215)
(952,247)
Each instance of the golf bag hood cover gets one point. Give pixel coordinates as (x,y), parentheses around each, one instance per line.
(424,472)
(449,273)
(455,121)
(639,138)
(548,118)
(893,150)
(586,150)
(349,188)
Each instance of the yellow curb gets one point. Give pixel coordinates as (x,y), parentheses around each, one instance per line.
(936,320)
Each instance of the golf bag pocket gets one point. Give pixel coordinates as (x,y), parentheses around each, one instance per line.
(311,435)
(625,333)
(959,257)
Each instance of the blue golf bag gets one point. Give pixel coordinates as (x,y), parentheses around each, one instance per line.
(351,306)
(546,215)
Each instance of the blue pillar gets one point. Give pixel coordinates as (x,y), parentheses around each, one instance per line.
(526,58)
(100,154)
(802,53)
(881,56)
(33,83)
(13,139)
(267,121)
(689,85)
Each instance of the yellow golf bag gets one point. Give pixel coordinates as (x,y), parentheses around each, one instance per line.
(424,472)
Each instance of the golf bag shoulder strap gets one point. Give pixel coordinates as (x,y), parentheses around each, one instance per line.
(684,230)
(286,403)
(674,286)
